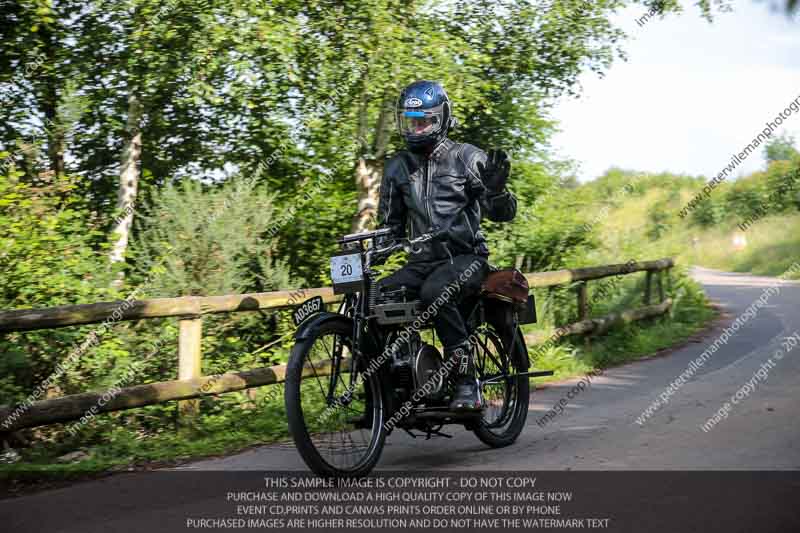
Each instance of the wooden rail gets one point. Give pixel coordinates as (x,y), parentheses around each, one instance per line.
(189,310)
(73,315)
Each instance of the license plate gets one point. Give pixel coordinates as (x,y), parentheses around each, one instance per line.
(346,272)
(309,307)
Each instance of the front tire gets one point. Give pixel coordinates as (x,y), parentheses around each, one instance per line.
(337,433)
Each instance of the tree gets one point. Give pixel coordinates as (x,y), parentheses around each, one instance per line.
(35,71)
(284,92)
(146,68)
(500,64)
(780,148)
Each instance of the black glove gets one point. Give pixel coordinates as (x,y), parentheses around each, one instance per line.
(379,259)
(494,173)
(382,242)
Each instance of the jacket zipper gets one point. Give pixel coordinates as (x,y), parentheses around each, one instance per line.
(391,190)
(429,175)
(428,191)
(466,219)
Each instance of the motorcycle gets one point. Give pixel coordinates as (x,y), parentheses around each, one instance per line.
(357,374)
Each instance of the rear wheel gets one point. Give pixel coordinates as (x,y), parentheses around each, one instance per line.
(335,415)
(505,394)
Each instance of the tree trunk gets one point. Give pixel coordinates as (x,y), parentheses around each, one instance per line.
(368,180)
(128,180)
(54,130)
(369,171)
(55,135)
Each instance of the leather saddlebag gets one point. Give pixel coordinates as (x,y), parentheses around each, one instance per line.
(508,285)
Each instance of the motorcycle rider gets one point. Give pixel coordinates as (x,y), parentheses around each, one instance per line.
(437,185)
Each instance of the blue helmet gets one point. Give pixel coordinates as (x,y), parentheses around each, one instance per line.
(423,114)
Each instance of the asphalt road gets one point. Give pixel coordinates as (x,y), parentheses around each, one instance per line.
(598,429)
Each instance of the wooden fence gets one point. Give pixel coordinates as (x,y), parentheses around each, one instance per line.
(189,311)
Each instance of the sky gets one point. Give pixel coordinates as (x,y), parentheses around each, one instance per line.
(690,95)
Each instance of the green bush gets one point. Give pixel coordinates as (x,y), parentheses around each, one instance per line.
(780,148)
(552,228)
(782,182)
(708,212)
(46,259)
(198,241)
(213,241)
(746,197)
(658,222)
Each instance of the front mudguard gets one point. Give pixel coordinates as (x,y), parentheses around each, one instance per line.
(314,321)
(304,330)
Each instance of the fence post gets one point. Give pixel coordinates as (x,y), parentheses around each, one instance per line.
(190,359)
(583,304)
(583,307)
(660,283)
(648,283)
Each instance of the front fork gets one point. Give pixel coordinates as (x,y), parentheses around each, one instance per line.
(336,368)
(349,307)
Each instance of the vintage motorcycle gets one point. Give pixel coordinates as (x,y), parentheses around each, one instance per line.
(357,374)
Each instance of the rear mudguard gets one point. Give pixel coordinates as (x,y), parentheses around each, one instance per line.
(519,351)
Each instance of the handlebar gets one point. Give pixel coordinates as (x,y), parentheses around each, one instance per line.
(410,245)
(365,236)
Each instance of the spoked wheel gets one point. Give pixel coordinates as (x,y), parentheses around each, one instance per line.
(335,415)
(505,394)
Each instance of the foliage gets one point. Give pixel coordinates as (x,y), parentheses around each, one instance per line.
(46,259)
(209,242)
(218,240)
(708,212)
(658,223)
(782,183)
(755,209)
(780,148)
(745,197)
(775,190)
(311,220)
(550,229)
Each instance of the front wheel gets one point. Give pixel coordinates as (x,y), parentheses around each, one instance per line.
(505,393)
(335,413)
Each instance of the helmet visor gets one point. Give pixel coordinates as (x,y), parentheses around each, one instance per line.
(419,122)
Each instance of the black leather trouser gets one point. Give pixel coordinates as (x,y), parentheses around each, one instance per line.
(441,285)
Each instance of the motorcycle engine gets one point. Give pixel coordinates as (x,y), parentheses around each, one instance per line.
(416,365)
(427,363)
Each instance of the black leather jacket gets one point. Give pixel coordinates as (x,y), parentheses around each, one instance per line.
(442,191)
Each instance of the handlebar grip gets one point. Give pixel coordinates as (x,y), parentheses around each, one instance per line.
(432,236)
(364,236)
(414,245)
(438,234)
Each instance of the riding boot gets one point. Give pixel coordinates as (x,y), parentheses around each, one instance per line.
(467,395)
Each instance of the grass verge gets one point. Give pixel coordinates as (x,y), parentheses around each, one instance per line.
(690,313)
